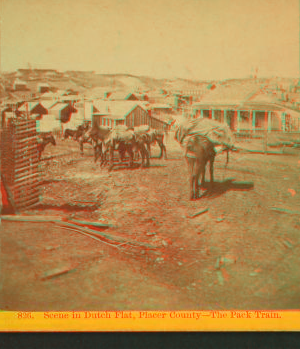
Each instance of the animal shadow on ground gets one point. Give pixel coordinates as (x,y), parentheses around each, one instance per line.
(219,188)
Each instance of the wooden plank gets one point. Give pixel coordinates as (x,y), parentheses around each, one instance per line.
(27,192)
(29,184)
(25,135)
(27,172)
(22,199)
(22,127)
(33,155)
(21,133)
(26,145)
(32,176)
(23,122)
(27,139)
(24,168)
(21,163)
(18,151)
(27,203)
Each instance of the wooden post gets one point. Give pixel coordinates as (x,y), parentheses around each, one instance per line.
(238,120)
(266,121)
(213,114)
(250,120)
(235,119)
(210,113)
(283,126)
(253,120)
(201,111)
(225,116)
(269,121)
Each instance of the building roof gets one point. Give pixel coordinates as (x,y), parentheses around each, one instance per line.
(229,94)
(20,82)
(165,118)
(117,108)
(31,106)
(48,95)
(121,95)
(160,106)
(59,106)
(48,104)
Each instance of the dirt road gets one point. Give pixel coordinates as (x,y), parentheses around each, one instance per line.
(241,253)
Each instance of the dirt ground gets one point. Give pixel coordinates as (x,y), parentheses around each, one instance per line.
(241,253)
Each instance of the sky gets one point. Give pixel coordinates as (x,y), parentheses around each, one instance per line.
(192,39)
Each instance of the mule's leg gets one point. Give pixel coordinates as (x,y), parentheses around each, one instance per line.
(147,156)
(144,154)
(111,158)
(165,151)
(81,147)
(130,153)
(149,149)
(161,149)
(191,165)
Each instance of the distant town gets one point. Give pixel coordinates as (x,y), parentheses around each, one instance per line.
(250,104)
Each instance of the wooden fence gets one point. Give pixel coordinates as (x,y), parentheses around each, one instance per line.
(19,163)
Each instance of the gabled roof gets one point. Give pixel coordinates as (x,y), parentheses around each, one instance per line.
(20,82)
(229,94)
(121,95)
(117,108)
(59,106)
(48,95)
(31,106)
(160,106)
(48,104)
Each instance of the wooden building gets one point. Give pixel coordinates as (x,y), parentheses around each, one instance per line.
(122,96)
(130,113)
(20,85)
(247,108)
(62,111)
(33,108)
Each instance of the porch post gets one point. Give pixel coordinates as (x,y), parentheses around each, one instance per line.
(266,120)
(269,121)
(225,117)
(253,120)
(250,119)
(238,120)
(235,120)
(201,113)
(210,113)
(283,126)
(213,114)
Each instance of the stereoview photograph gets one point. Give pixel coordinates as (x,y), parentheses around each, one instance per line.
(150,156)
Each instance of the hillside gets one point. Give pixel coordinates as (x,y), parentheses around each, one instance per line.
(82,82)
